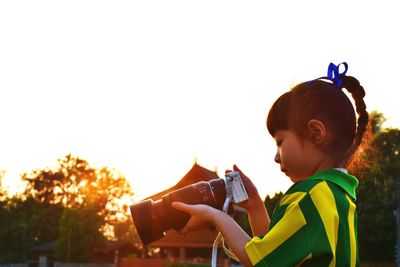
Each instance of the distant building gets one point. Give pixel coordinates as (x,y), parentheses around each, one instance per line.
(196,174)
(194,246)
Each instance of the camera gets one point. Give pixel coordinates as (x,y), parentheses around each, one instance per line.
(152,219)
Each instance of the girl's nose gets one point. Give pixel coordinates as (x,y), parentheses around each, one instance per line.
(277,158)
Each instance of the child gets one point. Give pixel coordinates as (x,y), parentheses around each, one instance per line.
(315,223)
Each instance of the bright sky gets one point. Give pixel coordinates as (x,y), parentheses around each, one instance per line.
(147,87)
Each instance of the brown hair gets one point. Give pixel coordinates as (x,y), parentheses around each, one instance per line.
(323,101)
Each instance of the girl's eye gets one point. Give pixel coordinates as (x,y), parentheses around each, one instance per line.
(279,142)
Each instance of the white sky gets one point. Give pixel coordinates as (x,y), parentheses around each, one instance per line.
(148,86)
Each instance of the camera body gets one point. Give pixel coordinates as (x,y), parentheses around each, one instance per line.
(235,188)
(152,219)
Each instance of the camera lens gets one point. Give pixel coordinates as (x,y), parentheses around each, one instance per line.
(153,218)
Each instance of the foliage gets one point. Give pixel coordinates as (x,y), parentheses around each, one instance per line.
(376,120)
(79,234)
(270,203)
(2,191)
(126,230)
(72,195)
(25,223)
(243,221)
(73,183)
(377,193)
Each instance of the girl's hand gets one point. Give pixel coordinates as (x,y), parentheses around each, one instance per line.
(257,213)
(254,200)
(201,216)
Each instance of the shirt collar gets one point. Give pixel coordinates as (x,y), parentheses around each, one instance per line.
(344,180)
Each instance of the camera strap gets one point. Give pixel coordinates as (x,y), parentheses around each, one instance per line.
(220,238)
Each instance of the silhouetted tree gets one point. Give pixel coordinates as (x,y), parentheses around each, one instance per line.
(270,203)
(24,223)
(377,191)
(72,195)
(126,231)
(73,183)
(79,234)
(2,191)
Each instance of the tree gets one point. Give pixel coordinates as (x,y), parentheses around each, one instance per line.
(71,202)
(73,183)
(89,201)
(126,231)
(270,203)
(2,193)
(25,223)
(61,184)
(377,192)
(79,234)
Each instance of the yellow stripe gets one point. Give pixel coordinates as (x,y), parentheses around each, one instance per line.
(291,222)
(293,198)
(325,203)
(353,252)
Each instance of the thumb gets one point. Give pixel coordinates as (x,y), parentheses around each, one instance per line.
(180,206)
(227,171)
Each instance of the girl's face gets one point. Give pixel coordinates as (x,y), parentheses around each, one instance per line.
(298,157)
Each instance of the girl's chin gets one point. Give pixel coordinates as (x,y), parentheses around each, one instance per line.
(293,179)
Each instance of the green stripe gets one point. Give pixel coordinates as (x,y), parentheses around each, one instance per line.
(343,243)
(311,241)
(318,240)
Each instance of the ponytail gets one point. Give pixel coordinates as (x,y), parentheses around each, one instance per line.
(353,86)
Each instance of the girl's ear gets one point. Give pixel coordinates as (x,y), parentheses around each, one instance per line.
(317,131)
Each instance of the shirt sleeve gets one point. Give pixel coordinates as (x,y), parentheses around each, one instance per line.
(286,243)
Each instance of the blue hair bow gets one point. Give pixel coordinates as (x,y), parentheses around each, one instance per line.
(334,75)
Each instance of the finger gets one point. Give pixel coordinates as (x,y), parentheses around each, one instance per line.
(236,168)
(227,171)
(180,206)
(244,177)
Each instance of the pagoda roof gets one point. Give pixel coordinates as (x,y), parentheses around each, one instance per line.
(196,174)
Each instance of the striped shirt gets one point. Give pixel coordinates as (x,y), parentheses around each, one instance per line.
(314,224)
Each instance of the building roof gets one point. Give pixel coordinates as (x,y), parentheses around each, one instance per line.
(196,174)
(199,239)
